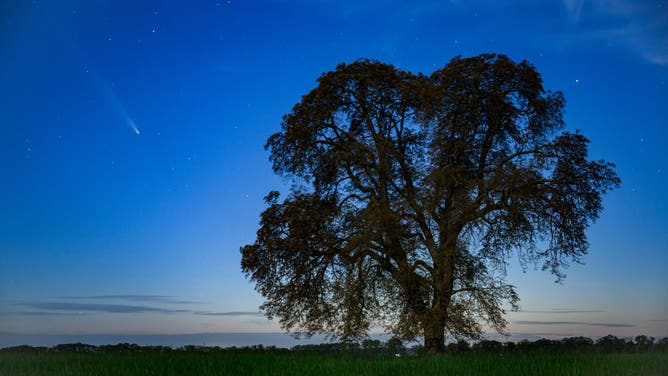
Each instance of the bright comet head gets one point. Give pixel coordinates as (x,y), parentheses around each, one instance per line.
(134,126)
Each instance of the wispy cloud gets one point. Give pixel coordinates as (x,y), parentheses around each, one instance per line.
(77,308)
(232,313)
(135,298)
(97,307)
(517,336)
(562,310)
(607,325)
(574,8)
(641,25)
(40,313)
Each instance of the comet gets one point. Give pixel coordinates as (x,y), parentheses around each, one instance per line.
(125,115)
(120,108)
(104,86)
(134,127)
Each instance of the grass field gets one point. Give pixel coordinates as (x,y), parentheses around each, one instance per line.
(184,363)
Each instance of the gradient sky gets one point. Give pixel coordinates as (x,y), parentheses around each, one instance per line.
(133,167)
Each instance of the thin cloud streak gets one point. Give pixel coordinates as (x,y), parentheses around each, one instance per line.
(70,308)
(556,310)
(232,313)
(97,307)
(135,298)
(40,313)
(607,325)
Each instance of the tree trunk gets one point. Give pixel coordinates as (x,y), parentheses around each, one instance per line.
(434,336)
(434,322)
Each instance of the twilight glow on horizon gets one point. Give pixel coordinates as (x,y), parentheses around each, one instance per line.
(133,163)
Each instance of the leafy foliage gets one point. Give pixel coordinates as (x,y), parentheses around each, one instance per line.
(411,192)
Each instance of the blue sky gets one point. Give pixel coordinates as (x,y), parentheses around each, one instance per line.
(133,165)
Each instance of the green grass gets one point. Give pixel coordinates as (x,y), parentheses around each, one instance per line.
(184,363)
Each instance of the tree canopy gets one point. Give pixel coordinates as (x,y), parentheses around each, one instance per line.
(410,194)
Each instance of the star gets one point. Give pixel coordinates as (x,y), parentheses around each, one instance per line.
(577,81)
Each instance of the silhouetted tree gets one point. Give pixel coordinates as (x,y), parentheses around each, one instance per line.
(24,349)
(662,345)
(488,346)
(371,345)
(459,347)
(509,346)
(544,344)
(74,347)
(610,344)
(395,345)
(120,348)
(577,343)
(643,343)
(411,192)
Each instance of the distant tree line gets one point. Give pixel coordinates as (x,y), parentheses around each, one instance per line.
(393,347)
(606,344)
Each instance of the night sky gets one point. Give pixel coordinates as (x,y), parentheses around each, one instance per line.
(133,166)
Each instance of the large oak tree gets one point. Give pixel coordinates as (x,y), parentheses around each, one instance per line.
(410,193)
